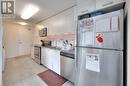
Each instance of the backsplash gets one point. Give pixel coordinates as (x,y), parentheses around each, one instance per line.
(64,44)
(58,37)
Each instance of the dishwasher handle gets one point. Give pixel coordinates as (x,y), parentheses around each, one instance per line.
(67,55)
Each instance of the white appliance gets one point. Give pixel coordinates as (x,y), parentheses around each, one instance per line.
(100,50)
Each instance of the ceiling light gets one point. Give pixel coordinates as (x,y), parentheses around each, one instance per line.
(29,11)
(22,23)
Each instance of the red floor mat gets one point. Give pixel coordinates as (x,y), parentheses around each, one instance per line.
(51,78)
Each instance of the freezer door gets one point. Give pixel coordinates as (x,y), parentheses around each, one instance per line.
(102,31)
(86,32)
(109,30)
(100,68)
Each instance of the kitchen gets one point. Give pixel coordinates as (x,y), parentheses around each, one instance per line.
(65,43)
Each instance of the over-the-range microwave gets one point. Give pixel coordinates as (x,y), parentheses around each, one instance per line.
(43,32)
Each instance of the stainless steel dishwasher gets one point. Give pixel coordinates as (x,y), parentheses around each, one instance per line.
(68,65)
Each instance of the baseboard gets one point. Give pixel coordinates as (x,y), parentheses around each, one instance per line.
(21,56)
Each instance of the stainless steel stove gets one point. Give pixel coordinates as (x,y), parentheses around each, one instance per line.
(37,54)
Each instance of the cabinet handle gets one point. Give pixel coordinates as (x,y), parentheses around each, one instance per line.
(84,11)
(107,3)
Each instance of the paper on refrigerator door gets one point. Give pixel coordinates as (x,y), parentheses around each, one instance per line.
(88,39)
(115,23)
(103,25)
(93,62)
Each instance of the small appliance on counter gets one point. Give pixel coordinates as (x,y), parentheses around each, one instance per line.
(46,43)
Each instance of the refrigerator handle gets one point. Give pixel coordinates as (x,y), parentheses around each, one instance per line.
(76,57)
(76,48)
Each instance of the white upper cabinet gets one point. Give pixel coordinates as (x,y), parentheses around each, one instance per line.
(85,6)
(106,3)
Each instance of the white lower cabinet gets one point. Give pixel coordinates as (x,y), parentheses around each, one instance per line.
(56,61)
(46,58)
(51,59)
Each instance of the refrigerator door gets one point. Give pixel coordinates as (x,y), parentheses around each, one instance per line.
(86,32)
(100,68)
(109,30)
(102,31)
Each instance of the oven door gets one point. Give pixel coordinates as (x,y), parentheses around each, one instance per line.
(37,54)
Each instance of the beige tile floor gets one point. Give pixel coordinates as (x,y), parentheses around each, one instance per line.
(22,71)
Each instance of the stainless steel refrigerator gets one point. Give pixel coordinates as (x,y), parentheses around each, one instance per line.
(100,50)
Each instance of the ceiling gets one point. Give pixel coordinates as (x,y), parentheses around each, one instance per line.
(47,8)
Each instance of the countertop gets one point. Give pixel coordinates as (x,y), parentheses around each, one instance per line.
(67,53)
(51,47)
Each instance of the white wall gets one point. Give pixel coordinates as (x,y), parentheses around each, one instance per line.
(17,40)
(36,36)
(1,36)
(62,23)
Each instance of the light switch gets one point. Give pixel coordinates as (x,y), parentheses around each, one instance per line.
(115,23)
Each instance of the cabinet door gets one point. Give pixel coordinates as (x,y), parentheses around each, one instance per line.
(85,6)
(46,57)
(106,3)
(43,56)
(49,58)
(56,61)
